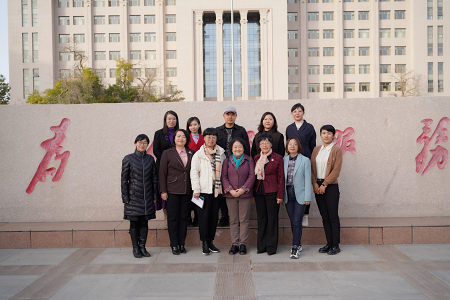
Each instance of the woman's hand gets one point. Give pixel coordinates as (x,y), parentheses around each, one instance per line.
(127,202)
(234,193)
(164,196)
(279,201)
(240,192)
(196,195)
(316,188)
(322,189)
(307,202)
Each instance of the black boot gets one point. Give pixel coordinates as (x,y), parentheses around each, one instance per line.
(135,243)
(142,240)
(213,248)
(205,248)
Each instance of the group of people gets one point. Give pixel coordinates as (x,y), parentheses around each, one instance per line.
(216,168)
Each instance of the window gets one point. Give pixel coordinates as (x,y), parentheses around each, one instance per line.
(430,9)
(101,73)
(349,69)
(313,1)
(328,87)
(313,16)
(328,51)
(363,15)
(385,32)
(430,77)
(400,32)
(64,56)
(135,19)
(78,55)
(349,33)
(149,2)
(328,16)
(292,34)
(349,87)
(363,33)
(328,33)
(171,54)
(78,38)
(440,77)
(327,1)
(63,3)
(364,69)
(314,87)
(400,50)
(291,1)
(292,70)
(292,17)
(400,68)
(170,2)
(99,20)
(440,44)
(25,13)
(149,19)
(400,14)
(293,87)
(114,19)
(34,13)
(313,52)
(35,39)
(150,72)
(78,3)
(349,51)
(385,69)
(440,10)
(385,14)
(36,79)
(25,49)
(385,86)
(113,3)
(135,37)
(398,86)
(313,70)
(364,51)
(78,20)
(26,82)
(135,54)
(171,19)
(99,38)
(150,54)
(134,3)
(99,3)
(364,86)
(112,73)
(363,0)
(136,72)
(113,55)
(100,55)
(63,21)
(328,69)
(385,50)
(64,38)
(293,52)
(64,73)
(430,40)
(171,36)
(349,1)
(171,72)
(150,36)
(313,34)
(349,15)
(114,37)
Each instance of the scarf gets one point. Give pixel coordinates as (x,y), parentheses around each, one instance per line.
(237,161)
(171,132)
(216,165)
(259,168)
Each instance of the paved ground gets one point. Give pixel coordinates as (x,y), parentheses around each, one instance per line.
(358,272)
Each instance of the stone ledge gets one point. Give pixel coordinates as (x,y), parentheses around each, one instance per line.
(114,234)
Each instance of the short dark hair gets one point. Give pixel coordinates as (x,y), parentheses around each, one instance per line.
(236,139)
(297,105)
(165,129)
(265,136)
(142,137)
(300,148)
(189,121)
(261,126)
(186,134)
(329,128)
(211,131)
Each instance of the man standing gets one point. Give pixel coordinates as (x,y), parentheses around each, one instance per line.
(227,132)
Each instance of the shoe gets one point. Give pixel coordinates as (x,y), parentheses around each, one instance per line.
(334,250)
(175,251)
(270,253)
(182,249)
(224,222)
(205,248)
(260,251)
(295,252)
(134,241)
(325,249)
(300,249)
(213,248)
(305,220)
(143,232)
(233,250)
(242,249)
(190,223)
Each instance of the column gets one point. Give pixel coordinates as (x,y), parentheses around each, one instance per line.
(219,51)
(88,36)
(244,54)
(338,51)
(124,32)
(160,43)
(198,55)
(264,54)
(303,50)
(374,52)
(269,41)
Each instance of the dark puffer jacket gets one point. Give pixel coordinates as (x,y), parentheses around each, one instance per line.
(139,184)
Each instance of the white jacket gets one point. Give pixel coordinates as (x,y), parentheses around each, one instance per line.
(201,171)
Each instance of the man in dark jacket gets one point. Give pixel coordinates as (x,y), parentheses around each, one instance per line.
(227,132)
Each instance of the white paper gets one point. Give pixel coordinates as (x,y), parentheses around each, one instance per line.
(198,201)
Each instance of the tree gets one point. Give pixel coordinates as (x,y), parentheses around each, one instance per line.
(407,84)
(4,90)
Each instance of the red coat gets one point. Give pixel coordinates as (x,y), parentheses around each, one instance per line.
(274,175)
(195,147)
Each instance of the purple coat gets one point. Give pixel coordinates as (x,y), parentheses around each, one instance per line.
(243,177)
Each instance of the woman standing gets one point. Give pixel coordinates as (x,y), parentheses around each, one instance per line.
(206,167)
(162,141)
(139,186)
(175,187)
(298,193)
(194,128)
(269,194)
(326,163)
(238,177)
(269,124)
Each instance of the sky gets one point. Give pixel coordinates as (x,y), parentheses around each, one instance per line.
(4,60)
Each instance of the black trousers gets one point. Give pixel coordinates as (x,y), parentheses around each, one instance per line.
(328,204)
(208,217)
(141,222)
(267,214)
(177,217)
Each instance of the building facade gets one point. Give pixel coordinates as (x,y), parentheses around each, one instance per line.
(283,49)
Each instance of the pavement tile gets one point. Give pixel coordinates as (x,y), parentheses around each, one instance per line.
(429,252)
(117,256)
(37,257)
(348,253)
(193,255)
(444,275)
(425,282)
(12,284)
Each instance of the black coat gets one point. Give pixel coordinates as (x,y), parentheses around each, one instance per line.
(161,142)
(139,184)
(238,131)
(277,146)
(305,134)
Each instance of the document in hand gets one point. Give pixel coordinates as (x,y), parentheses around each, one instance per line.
(198,201)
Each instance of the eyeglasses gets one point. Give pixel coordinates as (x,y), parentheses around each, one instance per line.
(265,143)
(142,143)
(210,137)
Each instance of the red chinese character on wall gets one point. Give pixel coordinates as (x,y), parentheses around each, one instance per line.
(344,140)
(53,147)
(439,154)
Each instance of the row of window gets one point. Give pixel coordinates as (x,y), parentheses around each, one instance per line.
(349,87)
(113,55)
(440,77)
(115,37)
(26,81)
(34,50)
(348,33)
(112,3)
(348,51)
(440,40)
(34,14)
(137,72)
(440,9)
(332,1)
(347,15)
(348,69)
(114,20)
